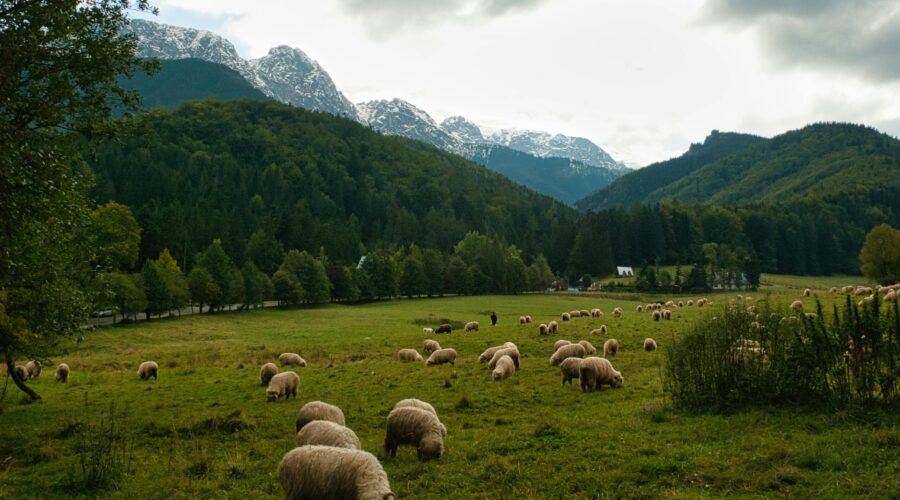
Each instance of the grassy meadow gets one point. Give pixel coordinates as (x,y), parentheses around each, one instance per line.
(204,428)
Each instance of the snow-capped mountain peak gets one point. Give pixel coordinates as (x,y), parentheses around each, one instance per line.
(463,129)
(399,117)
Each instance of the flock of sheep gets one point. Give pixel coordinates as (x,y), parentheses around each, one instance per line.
(32,370)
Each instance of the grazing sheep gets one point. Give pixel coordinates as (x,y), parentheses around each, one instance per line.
(671,304)
(575,314)
(848,289)
(409,355)
(566,316)
(584,313)
(740,297)
(600,331)
(598,371)
(266,373)
(681,303)
(649,345)
(283,384)
(504,368)
(807,292)
(325,433)
(748,298)
(472,326)
(890,296)
(414,426)
(444,328)
(797,305)
(148,369)
(833,290)
(655,315)
(701,302)
(596,313)
(639,308)
(291,359)
(559,343)
(690,302)
(427,331)
(317,472)
(418,403)
(23,372)
(610,347)
(567,351)
(521,320)
(553,326)
(62,373)
(318,410)
(666,314)
(528,319)
(430,345)
(543,329)
(34,369)
(441,356)
(617,312)
(512,352)
(589,348)
(570,368)
(488,354)
(863,290)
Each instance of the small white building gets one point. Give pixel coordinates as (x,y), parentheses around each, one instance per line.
(624,272)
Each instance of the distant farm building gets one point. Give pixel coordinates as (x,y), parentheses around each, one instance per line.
(624,272)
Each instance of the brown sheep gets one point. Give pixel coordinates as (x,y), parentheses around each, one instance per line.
(444,328)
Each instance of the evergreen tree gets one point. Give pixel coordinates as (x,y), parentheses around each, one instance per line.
(156,289)
(412,280)
(382,273)
(265,251)
(176,284)
(218,264)
(203,287)
(309,274)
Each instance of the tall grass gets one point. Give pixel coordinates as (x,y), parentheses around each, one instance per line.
(767,355)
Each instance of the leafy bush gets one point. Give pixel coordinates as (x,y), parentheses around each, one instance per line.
(768,355)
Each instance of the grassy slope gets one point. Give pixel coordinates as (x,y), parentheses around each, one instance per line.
(524,437)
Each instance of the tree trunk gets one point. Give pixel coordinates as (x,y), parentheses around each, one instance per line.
(11,369)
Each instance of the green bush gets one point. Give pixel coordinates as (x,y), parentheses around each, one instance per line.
(769,355)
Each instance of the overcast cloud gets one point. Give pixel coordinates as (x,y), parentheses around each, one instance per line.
(641,78)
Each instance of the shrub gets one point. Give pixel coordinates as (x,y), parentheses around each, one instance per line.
(851,359)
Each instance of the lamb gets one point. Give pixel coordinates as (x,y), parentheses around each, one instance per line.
(559,343)
(441,356)
(472,326)
(588,347)
(617,312)
(318,410)
(62,373)
(598,371)
(649,345)
(600,331)
(655,315)
(570,368)
(325,433)
(504,368)
(666,314)
(315,472)
(575,314)
(418,403)
(566,316)
(567,351)
(488,354)
(409,355)
(444,328)
(283,384)
(414,426)
(266,373)
(430,345)
(427,331)
(34,369)
(148,369)
(596,313)
(512,352)
(553,326)
(521,320)
(797,305)
(23,372)
(528,319)
(807,292)
(543,329)
(291,359)
(610,347)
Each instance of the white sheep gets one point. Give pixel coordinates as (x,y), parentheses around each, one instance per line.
(283,384)
(318,410)
(34,369)
(807,292)
(489,352)
(472,326)
(512,352)
(428,331)
(409,355)
(148,369)
(596,313)
(528,319)
(575,314)
(655,315)
(566,316)
(553,326)
(559,343)
(610,347)
(639,308)
(589,348)
(442,356)
(570,368)
(417,427)
(291,358)
(690,302)
(617,312)
(423,405)
(430,345)
(567,351)
(543,329)
(649,345)
(797,305)
(266,372)
(319,472)
(504,368)
(600,331)
(666,314)
(62,373)
(521,320)
(598,371)
(325,433)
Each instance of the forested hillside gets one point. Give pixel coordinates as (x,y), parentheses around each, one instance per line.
(183,80)
(310,181)
(636,186)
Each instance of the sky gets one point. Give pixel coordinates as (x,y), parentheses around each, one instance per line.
(641,78)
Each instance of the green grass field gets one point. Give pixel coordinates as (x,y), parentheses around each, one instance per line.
(205,430)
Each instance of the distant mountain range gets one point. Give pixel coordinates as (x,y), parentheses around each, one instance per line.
(288,75)
(831,161)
